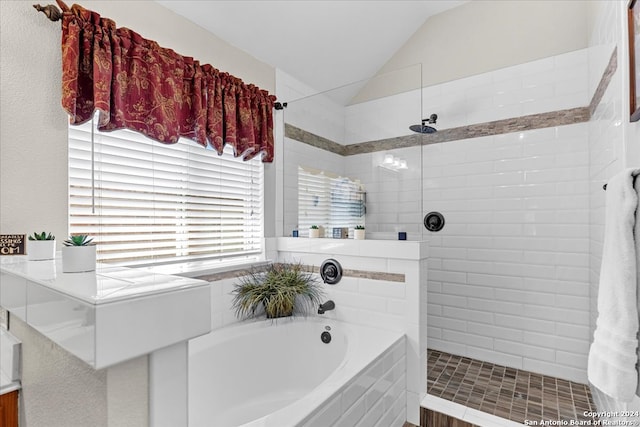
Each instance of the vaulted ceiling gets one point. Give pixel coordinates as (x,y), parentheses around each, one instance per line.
(323,43)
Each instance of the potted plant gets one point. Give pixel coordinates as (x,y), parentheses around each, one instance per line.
(314,231)
(42,246)
(358,232)
(280,290)
(78,254)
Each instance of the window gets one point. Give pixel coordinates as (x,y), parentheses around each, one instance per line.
(328,200)
(150,203)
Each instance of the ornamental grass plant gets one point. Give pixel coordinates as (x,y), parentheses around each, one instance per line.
(280,290)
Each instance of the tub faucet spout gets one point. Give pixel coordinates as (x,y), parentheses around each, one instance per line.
(329,305)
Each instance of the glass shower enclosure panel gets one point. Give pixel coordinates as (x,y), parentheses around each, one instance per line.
(351,161)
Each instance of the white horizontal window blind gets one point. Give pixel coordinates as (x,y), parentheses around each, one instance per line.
(156,203)
(329,200)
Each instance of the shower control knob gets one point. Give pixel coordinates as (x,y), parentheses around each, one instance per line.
(331,271)
(434,221)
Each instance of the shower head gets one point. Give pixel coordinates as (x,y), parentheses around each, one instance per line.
(423,128)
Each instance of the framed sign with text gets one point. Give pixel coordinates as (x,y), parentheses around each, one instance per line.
(12,244)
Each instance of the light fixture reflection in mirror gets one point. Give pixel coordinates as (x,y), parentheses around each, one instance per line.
(393,163)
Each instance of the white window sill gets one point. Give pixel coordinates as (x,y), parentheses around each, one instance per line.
(206,267)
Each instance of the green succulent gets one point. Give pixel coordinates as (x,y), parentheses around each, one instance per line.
(359,227)
(78,240)
(314,227)
(282,289)
(42,236)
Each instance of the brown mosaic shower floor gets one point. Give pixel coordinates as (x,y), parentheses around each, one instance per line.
(508,393)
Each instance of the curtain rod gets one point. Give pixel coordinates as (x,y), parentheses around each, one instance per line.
(51,11)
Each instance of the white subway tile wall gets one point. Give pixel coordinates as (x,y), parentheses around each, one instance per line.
(508,274)
(394,203)
(513,258)
(511,265)
(383,304)
(549,84)
(375,398)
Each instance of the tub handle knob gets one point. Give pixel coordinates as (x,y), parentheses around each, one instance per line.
(331,271)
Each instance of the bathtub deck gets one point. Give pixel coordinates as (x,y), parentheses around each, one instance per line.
(508,393)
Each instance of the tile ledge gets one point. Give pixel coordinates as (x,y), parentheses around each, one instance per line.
(465,413)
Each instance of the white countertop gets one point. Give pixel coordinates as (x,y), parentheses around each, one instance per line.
(105,316)
(6,385)
(10,352)
(106,284)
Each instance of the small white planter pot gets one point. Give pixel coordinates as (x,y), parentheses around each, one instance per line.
(314,233)
(39,250)
(358,234)
(76,259)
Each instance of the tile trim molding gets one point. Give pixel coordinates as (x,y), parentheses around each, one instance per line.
(516,124)
(609,71)
(312,139)
(361,274)
(498,127)
(365,274)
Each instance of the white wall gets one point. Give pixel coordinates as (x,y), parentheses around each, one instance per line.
(486,35)
(33,184)
(614,144)
(33,126)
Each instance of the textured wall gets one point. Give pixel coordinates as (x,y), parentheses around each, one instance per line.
(33,190)
(33,128)
(59,390)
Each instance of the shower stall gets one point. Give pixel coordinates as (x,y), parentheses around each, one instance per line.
(505,176)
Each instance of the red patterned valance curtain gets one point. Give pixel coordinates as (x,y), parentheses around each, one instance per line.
(136,84)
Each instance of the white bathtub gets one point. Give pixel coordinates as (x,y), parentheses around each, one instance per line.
(275,374)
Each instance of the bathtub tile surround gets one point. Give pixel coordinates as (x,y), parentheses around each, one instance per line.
(308,381)
(375,398)
(384,304)
(508,393)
